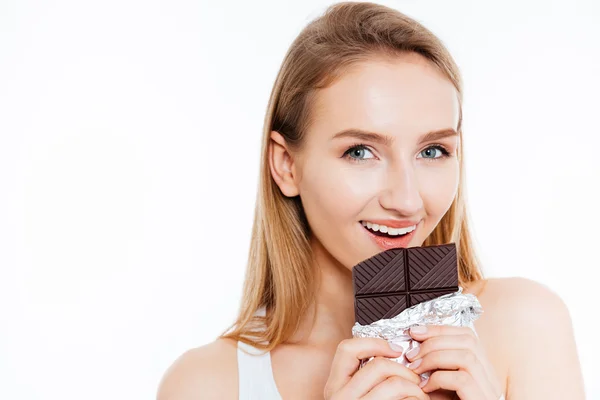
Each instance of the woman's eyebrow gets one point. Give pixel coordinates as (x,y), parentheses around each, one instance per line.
(388,140)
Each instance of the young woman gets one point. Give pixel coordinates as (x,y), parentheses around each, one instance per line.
(362,151)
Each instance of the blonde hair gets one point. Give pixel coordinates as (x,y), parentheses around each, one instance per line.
(280,274)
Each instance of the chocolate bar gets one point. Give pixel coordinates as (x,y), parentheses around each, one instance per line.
(395,279)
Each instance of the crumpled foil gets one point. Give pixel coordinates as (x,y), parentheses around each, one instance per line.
(455,309)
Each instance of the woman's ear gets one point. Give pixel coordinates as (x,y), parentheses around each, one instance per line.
(282,165)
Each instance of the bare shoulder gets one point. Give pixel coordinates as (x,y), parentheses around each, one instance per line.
(524,301)
(525,308)
(208,372)
(535,330)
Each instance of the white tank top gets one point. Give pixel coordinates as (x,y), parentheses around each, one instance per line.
(255,373)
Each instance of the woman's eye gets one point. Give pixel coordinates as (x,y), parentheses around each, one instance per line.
(430,152)
(357,153)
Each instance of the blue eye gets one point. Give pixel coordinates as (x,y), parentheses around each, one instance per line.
(357,153)
(431,151)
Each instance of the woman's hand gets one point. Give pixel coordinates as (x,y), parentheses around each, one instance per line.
(457,361)
(381,378)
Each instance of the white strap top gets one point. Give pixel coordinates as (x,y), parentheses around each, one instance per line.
(255,372)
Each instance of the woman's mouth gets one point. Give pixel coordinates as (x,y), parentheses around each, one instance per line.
(388,238)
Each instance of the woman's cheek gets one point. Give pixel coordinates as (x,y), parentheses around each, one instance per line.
(361,185)
(438,186)
(334,193)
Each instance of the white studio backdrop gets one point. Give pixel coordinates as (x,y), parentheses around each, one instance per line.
(129,145)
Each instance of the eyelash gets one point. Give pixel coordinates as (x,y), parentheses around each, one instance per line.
(445,153)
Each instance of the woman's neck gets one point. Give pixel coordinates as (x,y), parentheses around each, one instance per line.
(333,306)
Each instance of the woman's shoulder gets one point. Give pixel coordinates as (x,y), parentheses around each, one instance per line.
(532,328)
(518,298)
(525,309)
(208,371)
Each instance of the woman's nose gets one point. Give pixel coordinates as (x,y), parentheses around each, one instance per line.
(401,192)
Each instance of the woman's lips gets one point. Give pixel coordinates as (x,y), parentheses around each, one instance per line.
(389,242)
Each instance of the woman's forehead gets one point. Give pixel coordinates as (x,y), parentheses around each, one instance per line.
(401,96)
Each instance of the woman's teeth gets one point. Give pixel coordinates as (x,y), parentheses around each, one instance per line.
(389,231)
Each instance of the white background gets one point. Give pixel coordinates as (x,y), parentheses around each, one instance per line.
(129,145)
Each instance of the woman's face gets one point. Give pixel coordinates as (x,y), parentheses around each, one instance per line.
(347,180)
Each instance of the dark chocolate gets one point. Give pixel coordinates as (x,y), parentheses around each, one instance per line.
(395,279)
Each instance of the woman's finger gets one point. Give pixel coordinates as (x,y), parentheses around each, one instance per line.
(396,388)
(347,359)
(375,372)
(457,338)
(464,360)
(458,381)
(424,332)
(436,343)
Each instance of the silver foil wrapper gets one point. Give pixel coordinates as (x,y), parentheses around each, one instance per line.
(455,309)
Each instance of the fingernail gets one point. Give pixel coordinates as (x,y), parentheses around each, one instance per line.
(423,383)
(412,352)
(419,330)
(396,347)
(415,364)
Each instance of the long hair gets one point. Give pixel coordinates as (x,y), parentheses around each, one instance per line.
(280,275)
